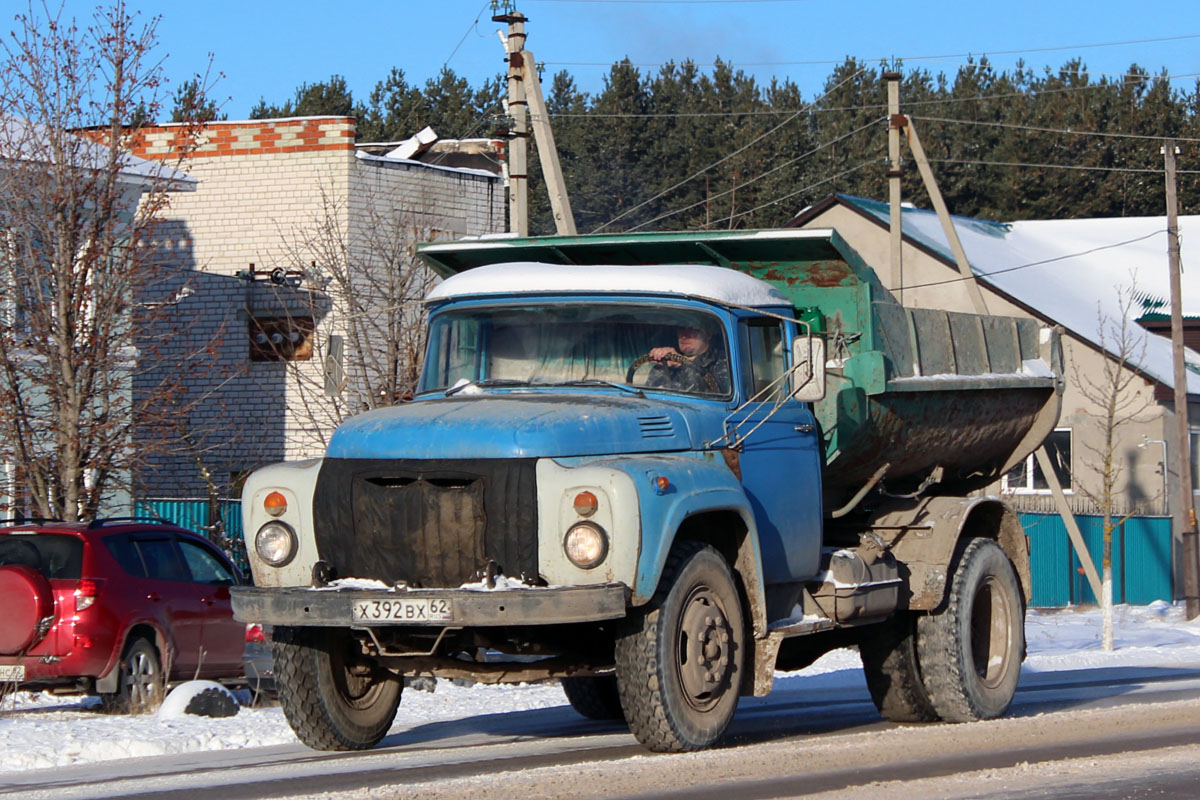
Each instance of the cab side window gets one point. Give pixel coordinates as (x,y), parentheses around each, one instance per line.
(767,360)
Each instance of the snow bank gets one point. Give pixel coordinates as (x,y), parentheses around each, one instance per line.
(40,730)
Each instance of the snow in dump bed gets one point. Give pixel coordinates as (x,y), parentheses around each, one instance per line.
(528,277)
(39,731)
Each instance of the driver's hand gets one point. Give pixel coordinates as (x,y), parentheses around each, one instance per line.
(659,353)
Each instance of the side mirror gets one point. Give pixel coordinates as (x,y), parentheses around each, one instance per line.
(808,374)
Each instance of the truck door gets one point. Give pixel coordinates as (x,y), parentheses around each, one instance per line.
(780,455)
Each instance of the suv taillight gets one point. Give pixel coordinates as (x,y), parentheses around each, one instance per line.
(85,593)
(254,633)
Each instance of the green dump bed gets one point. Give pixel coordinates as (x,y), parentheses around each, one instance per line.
(948,398)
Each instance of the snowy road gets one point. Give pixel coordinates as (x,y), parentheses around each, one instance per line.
(1074,702)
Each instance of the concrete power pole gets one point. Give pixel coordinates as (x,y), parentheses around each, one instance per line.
(894,173)
(524,90)
(1186,507)
(518,137)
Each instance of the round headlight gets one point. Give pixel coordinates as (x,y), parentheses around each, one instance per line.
(586,545)
(275,543)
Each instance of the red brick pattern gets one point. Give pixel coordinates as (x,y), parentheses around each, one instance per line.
(256,137)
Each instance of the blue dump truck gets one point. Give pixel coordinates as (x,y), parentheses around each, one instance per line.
(659,468)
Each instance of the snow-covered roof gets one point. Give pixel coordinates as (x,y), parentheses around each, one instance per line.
(22,140)
(691,280)
(1072,271)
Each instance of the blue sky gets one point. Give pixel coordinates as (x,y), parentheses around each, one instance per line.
(266,48)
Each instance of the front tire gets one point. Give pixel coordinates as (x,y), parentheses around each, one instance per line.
(680,660)
(970,651)
(333,697)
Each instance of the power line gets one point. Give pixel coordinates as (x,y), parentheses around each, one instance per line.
(982,53)
(718,162)
(812,107)
(1056,166)
(465,35)
(1034,263)
(1052,130)
(789,195)
(756,178)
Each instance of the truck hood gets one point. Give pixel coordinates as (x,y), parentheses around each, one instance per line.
(524,426)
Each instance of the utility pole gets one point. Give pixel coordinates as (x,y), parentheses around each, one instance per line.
(1186,508)
(518,137)
(894,173)
(524,91)
(943,213)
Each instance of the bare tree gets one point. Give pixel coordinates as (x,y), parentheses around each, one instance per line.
(77,228)
(1114,391)
(356,258)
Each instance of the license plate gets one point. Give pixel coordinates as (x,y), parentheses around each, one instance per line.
(402,610)
(15,673)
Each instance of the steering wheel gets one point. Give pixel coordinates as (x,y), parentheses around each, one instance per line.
(640,361)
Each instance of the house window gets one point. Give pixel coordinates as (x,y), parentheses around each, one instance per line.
(1195,459)
(281,338)
(1027,477)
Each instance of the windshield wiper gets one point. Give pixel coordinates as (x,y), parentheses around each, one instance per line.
(601,382)
(486,382)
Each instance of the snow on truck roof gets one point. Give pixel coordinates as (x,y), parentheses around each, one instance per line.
(690,280)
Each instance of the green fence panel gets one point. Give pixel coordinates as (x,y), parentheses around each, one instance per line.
(192,513)
(1148,573)
(1092,528)
(1049,560)
(1141,557)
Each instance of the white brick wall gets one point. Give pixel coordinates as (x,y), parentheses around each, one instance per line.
(266,189)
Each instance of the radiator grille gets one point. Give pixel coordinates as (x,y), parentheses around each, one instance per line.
(428,523)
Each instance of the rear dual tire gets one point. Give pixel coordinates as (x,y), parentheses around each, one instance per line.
(961,662)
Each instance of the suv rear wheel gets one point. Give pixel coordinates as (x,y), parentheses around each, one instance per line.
(140,684)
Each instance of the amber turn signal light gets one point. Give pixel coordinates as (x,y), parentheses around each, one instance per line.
(275,504)
(586,504)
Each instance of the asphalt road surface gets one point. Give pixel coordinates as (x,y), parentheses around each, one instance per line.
(1102,734)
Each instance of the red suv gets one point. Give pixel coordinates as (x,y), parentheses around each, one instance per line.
(116,608)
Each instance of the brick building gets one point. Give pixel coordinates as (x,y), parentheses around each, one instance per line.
(292,225)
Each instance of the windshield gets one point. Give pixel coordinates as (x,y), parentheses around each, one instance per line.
(674,349)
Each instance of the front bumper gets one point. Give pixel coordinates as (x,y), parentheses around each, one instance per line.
(298,606)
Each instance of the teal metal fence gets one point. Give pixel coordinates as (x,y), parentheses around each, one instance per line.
(225,531)
(1141,560)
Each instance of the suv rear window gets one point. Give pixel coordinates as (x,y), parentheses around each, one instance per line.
(55,555)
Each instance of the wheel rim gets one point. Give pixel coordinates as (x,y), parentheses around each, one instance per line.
(356,682)
(991,633)
(143,678)
(705,660)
